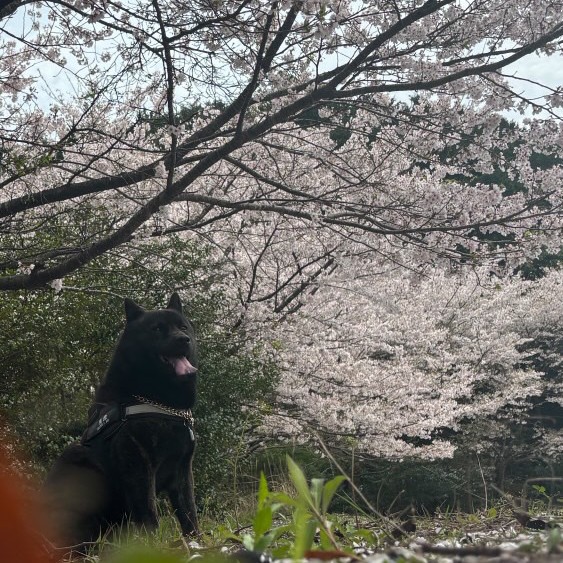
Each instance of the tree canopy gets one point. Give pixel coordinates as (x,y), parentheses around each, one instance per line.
(80,80)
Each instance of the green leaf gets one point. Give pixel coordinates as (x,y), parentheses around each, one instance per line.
(299,481)
(262,521)
(277,506)
(305,528)
(248,542)
(263,543)
(262,490)
(282,551)
(539,488)
(329,491)
(280,530)
(369,536)
(317,492)
(326,544)
(492,512)
(283,499)
(268,539)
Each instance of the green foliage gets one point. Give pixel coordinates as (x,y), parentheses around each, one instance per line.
(51,358)
(311,510)
(264,534)
(301,516)
(540,489)
(129,543)
(232,386)
(537,268)
(492,512)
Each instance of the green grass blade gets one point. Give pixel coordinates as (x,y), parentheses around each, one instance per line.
(317,492)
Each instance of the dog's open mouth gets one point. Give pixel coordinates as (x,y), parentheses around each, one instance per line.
(181,365)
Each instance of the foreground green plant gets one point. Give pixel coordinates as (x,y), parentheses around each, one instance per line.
(301,516)
(264,535)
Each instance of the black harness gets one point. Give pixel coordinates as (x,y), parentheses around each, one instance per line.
(107,418)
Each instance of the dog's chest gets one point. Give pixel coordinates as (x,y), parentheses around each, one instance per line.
(161,436)
(164,445)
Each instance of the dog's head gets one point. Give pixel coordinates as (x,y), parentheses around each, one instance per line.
(157,354)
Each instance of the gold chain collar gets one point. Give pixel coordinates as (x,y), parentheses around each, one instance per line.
(185,414)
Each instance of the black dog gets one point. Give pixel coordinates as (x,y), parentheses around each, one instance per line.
(139,440)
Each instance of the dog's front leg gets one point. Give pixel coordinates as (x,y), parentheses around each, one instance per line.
(137,484)
(182,498)
(141,507)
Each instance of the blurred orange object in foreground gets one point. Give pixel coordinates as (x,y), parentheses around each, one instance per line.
(20,537)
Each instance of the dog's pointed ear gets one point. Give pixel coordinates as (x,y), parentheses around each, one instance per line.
(132,310)
(175,303)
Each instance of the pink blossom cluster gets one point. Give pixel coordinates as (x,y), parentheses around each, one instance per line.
(381,357)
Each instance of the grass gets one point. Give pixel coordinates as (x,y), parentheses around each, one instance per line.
(290,518)
(361,534)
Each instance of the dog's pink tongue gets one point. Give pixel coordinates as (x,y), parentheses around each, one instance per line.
(182,366)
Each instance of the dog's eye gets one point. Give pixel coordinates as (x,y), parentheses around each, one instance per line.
(183,327)
(158,328)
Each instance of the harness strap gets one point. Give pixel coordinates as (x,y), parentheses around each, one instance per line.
(144,409)
(108,418)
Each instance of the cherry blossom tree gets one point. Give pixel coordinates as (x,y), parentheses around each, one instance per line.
(84,83)
(337,158)
(388,360)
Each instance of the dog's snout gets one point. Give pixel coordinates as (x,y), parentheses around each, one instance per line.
(182,338)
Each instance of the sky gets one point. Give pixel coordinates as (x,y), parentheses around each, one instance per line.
(544,70)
